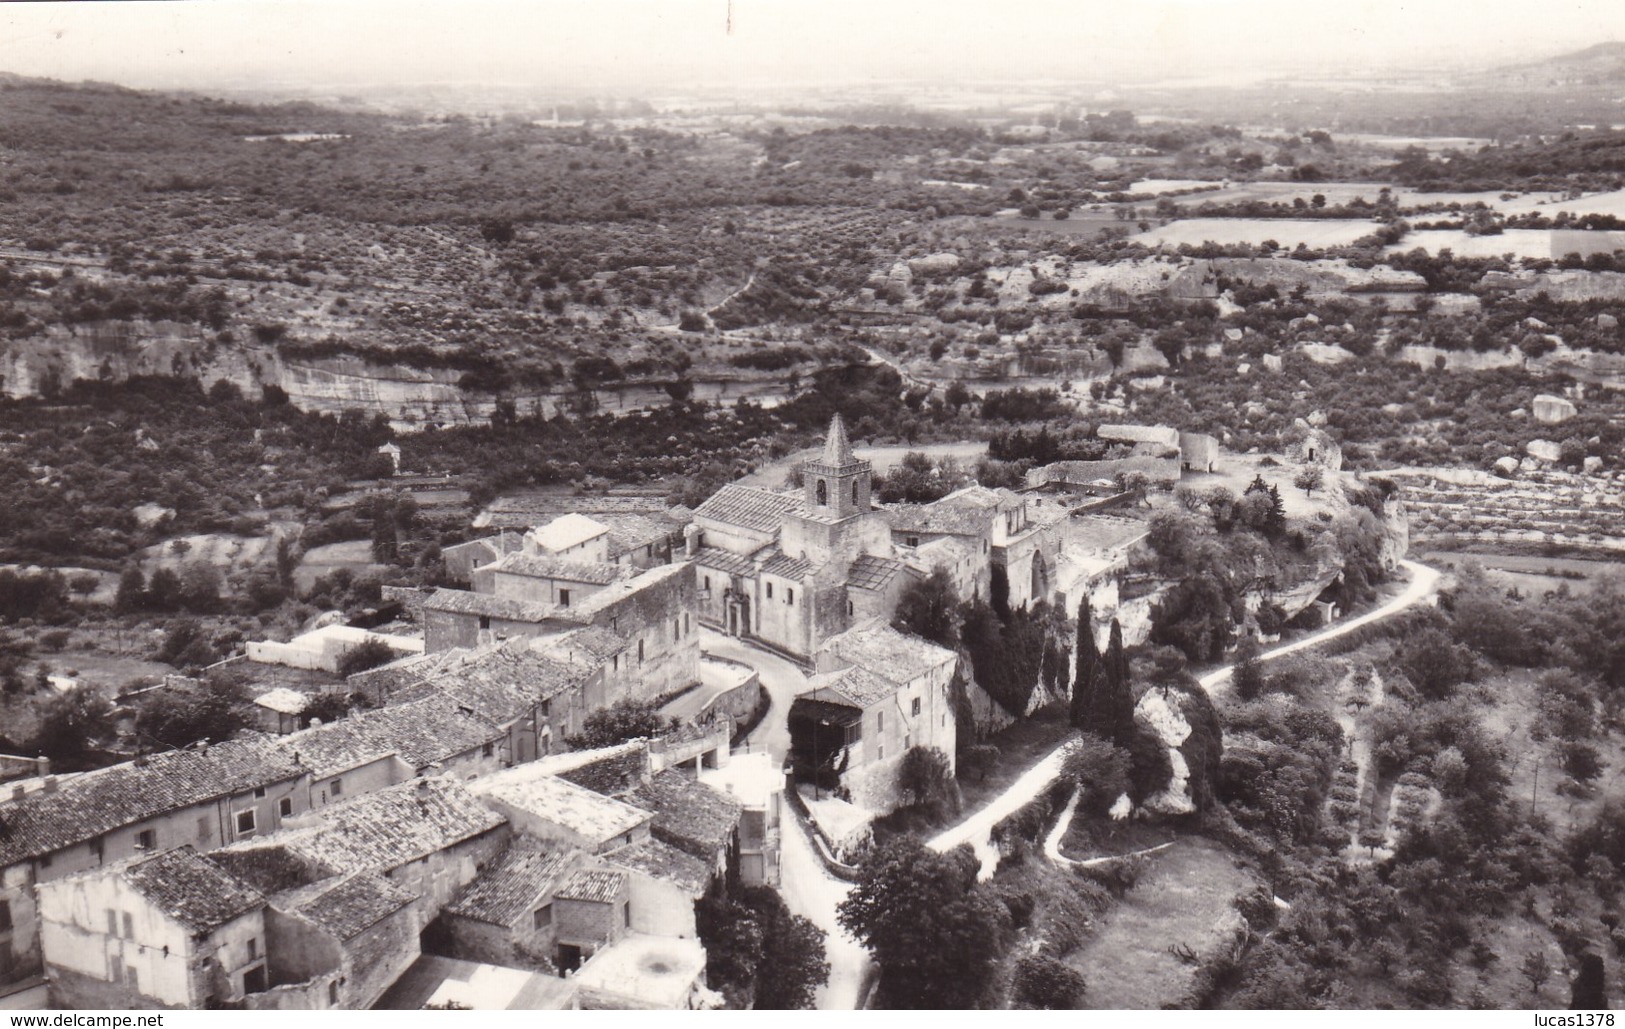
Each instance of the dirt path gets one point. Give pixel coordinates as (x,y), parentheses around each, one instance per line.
(977,828)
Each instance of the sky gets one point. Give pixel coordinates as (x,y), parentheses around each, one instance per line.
(636,45)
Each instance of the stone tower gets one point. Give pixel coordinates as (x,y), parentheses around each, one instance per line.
(836,484)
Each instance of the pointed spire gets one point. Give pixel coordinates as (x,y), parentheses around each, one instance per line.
(837,448)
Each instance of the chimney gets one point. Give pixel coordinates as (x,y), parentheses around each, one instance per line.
(691,540)
(43,766)
(18,791)
(50,784)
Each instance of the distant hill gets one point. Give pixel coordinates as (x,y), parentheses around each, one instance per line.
(1599,65)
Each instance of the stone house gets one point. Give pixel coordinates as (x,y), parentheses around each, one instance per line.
(879,693)
(280,711)
(756,782)
(1198,452)
(691,816)
(1023,533)
(207,798)
(506,915)
(373,750)
(429,837)
(540,804)
(171,931)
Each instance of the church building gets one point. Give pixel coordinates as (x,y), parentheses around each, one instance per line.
(789,569)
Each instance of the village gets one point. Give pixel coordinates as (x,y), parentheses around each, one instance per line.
(629,707)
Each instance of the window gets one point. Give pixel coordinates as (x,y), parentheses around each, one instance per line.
(5,915)
(790,596)
(640,652)
(259,793)
(626,913)
(488,750)
(45,861)
(908,740)
(881,721)
(688,625)
(245,822)
(284,807)
(880,752)
(708,583)
(333,991)
(911,541)
(253,948)
(823,493)
(854,491)
(615,663)
(916,710)
(564,598)
(676,628)
(115,968)
(770,591)
(336,789)
(203,827)
(542,917)
(849,609)
(129,926)
(146,839)
(112,927)
(485,621)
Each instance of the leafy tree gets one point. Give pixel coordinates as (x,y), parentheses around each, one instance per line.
(132,591)
(1536,969)
(179,716)
(1045,984)
(70,724)
(627,720)
(937,934)
(757,952)
(1248,677)
(928,609)
(1113,716)
(185,645)
(329,707)
(165,591)
(1309,479)
(925,776)
(1099,768)
(369,653)
(1435,664)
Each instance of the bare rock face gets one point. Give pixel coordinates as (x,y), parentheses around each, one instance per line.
(1163,718)
(1507,466)
(1272,362)
(1544,450)
(1552,410)
(1592,465)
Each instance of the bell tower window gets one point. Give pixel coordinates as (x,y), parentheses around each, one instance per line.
(823,493)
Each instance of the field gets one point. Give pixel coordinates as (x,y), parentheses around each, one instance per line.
(1183,898)
(356,555)
(1287,232)
(1088,222)
(1527,243)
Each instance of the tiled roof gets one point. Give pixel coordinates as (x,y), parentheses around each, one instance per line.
(786,567)
(568,530)
(869,572)
(510,887)
(93,804)
(618,591)
(592,884)
(579,810)
(422,731)
(499,683)
(893,655)
(665,862)
(354,905)
(688,814)
(526,511)
(939,519)
(612,775)
(857,686)
(725,561)
(629,532)
(387,828)
(545,566)
(467,602)
(1160,434)
(269,870)
(749,507)
(184,885)
(590,641)
(283,700)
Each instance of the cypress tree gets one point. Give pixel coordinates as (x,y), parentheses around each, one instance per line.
(1116,708)
(1086,680)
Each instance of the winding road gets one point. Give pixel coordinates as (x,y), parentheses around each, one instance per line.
(812,892)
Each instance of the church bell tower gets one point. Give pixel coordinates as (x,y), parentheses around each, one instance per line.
(836,484)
